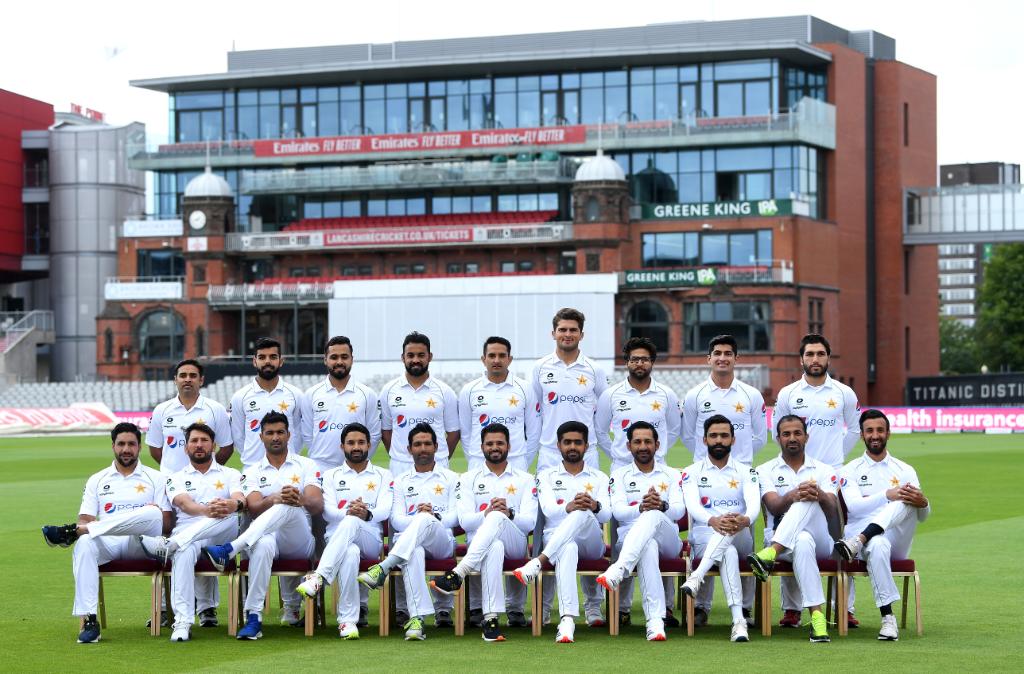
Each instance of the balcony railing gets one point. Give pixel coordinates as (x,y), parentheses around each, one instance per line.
(123,288)
(963,214)
(438,174)
(811,121)
(763,271)
(400,237)
(16,324)
(281,292)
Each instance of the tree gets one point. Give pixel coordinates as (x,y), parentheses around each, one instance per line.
(958,352)
(1000,325)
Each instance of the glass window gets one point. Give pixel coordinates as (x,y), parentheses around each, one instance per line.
(161,336)
(714,249)
(526,265)
(160,262)
(764,247)
(748,322)
(328,115)
(248,97)
(504,110)
(729,99)
(616,105)
(376,207)
(441,205)
(742,70)
(547,201)
(757,98)
(351,118)
(742,249)
(472,268)
(649,319)
(528,108)
(641,100)
(198,99)
(454,268)
(188,127)
(508,267)
(374,117)
(507,202)
(462,205)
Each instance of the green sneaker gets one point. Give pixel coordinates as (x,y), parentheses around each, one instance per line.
(819,628)
(761,562)
(414,630)
(373,577)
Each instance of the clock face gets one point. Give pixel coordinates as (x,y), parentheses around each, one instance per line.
(197,219)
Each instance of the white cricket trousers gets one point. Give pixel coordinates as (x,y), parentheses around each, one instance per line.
(282,531)
(578,536)
(804,533)
(424,538)
(108,539)
(345,547)
(899,521)
(497,538)
(725,551)
(191,594)
(652,535)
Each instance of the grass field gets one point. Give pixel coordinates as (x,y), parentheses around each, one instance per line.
(968,553)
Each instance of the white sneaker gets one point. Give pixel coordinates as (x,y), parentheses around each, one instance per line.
(889,630)
(182,632)
(692,584)
(348,631)
(594,617)
(291,616)
(310,585)
(849,548)
(566,631)
(611,578)
(527,573)
(159,548)
(739,631)
(656,630)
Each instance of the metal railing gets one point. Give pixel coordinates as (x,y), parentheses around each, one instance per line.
(264,293)
(438,174)
(781,271)
(964,213)
(16,324)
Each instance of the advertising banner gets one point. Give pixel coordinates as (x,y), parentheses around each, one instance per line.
(949,419)
(396,235)
(77,417)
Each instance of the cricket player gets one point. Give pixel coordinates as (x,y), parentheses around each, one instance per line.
(884,499)
(282,492)
(166,434)
(802,490)
(119,503)
(574,500)
(497,508)
(647,502)
(723,499)
(422,518)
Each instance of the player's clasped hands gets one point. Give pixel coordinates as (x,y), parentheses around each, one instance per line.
(912,496)
(221,507)
(808,491)
(497,504)
(651,501)
(291,496)
(357,508)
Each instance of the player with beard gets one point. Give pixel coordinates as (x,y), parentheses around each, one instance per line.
(268,392)
(828,406)
(413,398)
(723,498)
(119,503)
(497,507)
(357,498)
(166,435)
(799,494)
(574,500)
(206,497)
(885,503)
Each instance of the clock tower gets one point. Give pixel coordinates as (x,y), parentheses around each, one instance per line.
(208,206)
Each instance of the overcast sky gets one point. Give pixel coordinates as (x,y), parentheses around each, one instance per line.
(63,52)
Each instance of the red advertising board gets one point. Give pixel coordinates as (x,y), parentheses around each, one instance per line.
(416,142)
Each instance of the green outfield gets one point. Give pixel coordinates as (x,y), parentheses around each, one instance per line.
(968,552)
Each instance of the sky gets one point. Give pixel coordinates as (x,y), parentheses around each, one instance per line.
(67,52)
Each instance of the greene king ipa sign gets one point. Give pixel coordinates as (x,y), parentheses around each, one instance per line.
(668,278)
(717,209)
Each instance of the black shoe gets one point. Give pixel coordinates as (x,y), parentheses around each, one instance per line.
(449,583)
(476,617)
(363,613)
(208,617)
(516,619)
(746,616)
(700,617)
(443,619)
(90,633)
(491,630)
(760,567)
(670,619)
(165,620)
(401,617)
(62,535)
(624,619)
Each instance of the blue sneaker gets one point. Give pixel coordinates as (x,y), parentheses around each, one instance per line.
(90,633)
(253,628)
(219,555)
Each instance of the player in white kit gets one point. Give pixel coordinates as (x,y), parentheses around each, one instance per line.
(574,500)
(357,498)
(166,434)
(499,397)
(722,393)
(799,494)
(885,503)
(268,392)
(722,498)
(282,492)
(567,385)
(637,398)
(829,407)
(119,503)
(206,497)
(497,507)
(647,502)
(422,518)
(413,398)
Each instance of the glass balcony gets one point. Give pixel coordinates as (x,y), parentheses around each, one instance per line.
(963,214)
